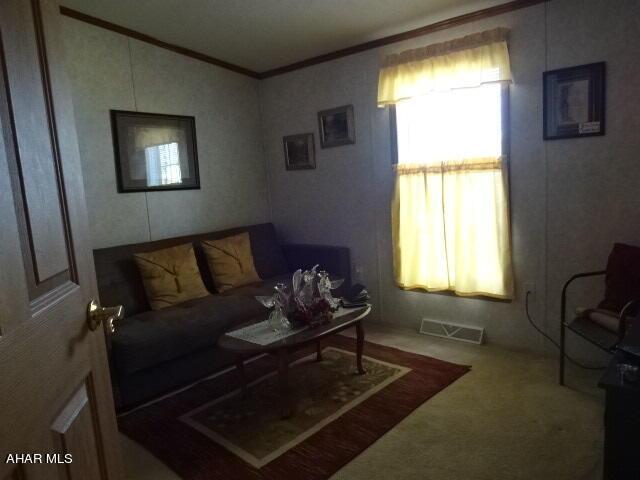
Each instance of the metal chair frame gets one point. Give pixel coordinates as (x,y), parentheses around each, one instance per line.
(564,325)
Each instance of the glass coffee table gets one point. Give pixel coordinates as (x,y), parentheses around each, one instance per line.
(248,342)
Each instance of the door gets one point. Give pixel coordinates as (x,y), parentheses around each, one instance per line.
(57,416)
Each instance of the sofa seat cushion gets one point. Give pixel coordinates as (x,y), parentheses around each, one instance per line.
(264,287)
(150,338)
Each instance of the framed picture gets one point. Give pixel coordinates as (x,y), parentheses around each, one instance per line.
(154,152)
(299,151)
(336,126)
(574,102)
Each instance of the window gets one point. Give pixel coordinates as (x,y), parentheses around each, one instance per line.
(451,125)
(453,233)
(450,211)
(163,164)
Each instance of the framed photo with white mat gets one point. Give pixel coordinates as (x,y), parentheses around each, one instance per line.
(574,104)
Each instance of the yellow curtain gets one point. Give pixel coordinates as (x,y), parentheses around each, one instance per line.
(450,211)
(465,62)
(451,228)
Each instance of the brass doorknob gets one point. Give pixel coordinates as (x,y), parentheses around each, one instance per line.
(97,314)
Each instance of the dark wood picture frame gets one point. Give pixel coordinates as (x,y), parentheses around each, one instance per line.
(299,151)
(574,102)
(336,126)
(129,162)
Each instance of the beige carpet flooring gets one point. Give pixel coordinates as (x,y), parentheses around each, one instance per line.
(506,419)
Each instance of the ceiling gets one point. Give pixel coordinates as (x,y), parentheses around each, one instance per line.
(263,34)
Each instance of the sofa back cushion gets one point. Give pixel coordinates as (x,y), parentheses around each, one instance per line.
(170,276)
(120,283)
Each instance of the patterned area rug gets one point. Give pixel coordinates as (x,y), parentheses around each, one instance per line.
(211,431)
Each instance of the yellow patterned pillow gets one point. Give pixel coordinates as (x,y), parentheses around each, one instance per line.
(170,276)
(231,261)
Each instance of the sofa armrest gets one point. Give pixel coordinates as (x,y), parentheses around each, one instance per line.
(335,260)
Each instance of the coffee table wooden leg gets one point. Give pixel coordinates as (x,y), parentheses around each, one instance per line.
(318,351)
(243,378)
(359,347)
(283,380)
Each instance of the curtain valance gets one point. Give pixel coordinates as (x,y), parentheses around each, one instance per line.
(461,63)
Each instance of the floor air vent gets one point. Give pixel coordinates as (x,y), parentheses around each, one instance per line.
(454,331)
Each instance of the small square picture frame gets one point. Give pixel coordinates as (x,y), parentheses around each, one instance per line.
(299,151)
(336,126)
(574,102)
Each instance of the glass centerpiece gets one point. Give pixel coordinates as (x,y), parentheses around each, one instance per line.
(307,302)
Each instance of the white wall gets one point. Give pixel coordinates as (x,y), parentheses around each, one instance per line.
(111,71)
(592,183)
(570,199)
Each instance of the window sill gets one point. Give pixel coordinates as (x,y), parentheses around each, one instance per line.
(450,293)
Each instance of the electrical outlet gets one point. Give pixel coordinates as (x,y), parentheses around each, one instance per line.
(531,288)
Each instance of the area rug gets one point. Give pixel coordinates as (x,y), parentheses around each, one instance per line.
(212,431)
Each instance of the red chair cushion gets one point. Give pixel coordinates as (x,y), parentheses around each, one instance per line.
(622,281)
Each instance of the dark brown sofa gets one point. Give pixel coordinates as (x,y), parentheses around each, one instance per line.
(152,352)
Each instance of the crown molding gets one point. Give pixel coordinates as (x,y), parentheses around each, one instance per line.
(399,37)
(98,22)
